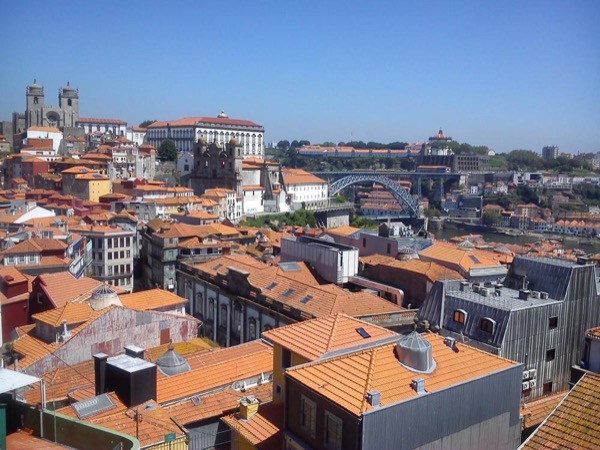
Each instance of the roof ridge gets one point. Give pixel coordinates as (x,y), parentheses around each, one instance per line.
(333,328)
(370,373)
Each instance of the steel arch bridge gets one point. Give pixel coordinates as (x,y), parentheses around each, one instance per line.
(401,196)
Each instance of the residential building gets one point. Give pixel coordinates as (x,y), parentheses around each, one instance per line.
(114,127)
(302,187)
(137,135)
(219,130)
(336,263)
(53,134)
(238,297)
(550,152)
(345,384)
(15,287)
(557,299)
(112,253)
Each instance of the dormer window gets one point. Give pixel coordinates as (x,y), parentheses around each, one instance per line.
(460,316)
(488,325)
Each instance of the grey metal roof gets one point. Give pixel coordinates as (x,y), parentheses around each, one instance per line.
(542,274)
(172,363)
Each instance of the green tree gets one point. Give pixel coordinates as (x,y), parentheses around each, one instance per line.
(167,151)
(283,145)
(491,218)
(145,123)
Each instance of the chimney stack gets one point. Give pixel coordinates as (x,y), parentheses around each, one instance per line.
(134,351)
(100,372)
(524,294)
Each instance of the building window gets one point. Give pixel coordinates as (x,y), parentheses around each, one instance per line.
(389,249)
(460,316)
(553,323)
(550,354)
(548,387)
(308,415)
(488,325)
(364,242)
(252,329)
(333,432)
(286,358)
(223,316)
(211,309)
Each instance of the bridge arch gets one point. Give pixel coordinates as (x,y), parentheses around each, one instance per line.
(401,196)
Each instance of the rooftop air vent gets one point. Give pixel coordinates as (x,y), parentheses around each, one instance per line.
(451,342)
(415,353)
(464,285)
(418,384)
(171,363)
(485,292)
(374,398)
(535,294)
(544,295)
(524,294)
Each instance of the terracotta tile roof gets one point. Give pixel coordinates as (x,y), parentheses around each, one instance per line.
(217,368)
(343,231)
(46,129)
(346,379)
(262,430)
(593,333)
(535,412)
(31,349)
(71,313)
(151,299)
(95,120)
(192,121)
(49,244)
(79,170)
(431,270)
(575,423)
(217,404)
(253,188)
(314,338)
(299,176)
(11,275)
(449,253)
(193,346)
(23,247)
(62,287)
(299,289)
(53,261)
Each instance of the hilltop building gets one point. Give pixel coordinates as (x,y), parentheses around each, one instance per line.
(550,152)
(218,130)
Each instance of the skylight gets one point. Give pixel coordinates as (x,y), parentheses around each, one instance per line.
(364,333)
(271,286)
(218,266)
(288,292)
(306,299)
(474,259)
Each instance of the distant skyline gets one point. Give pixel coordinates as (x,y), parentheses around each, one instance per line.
(506,74)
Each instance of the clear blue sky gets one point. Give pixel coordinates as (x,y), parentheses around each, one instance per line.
(507,74)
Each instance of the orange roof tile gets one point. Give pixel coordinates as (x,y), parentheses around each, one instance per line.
(575,423)
(71,313)
(263,430)
(217,368)
(535,412)
(299,176)
(343,231)
(345,379)
(430,269)
(314,338)
(62,287)
(151,299)
(23,247)
(25,440)
(217,404)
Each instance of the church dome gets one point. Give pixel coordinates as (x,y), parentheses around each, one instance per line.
(104,296)
(223,115)
(172,363)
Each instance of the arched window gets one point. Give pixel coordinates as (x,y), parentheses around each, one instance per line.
(488,325)
(223,316)
(460,316)
(211,309)
(252,329)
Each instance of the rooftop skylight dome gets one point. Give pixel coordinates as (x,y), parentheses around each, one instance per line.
(104,296)
(414,352)
(172,363)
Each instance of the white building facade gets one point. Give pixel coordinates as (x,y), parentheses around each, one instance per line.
(115,127)
(221,129)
